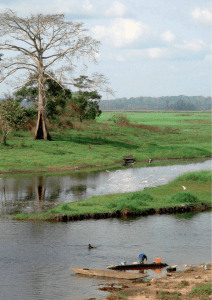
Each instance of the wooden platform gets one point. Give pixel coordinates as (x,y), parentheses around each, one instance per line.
(111,274)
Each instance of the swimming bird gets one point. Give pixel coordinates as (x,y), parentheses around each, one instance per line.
(90,247)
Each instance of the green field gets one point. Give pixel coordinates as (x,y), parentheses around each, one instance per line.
(198,192)
(156,135)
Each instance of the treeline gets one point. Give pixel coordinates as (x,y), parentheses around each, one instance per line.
(176,103)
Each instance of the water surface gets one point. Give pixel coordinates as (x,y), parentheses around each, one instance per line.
(35,258)
(39,193)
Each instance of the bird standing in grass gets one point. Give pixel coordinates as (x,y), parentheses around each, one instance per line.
(90,147)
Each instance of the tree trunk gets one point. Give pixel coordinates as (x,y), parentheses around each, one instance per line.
(41,131)
(4,138)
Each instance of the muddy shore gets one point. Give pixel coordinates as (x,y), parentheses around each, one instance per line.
(179,281)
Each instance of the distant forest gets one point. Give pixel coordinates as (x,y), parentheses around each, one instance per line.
(175,103)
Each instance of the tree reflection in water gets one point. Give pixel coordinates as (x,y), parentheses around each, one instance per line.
(28,195)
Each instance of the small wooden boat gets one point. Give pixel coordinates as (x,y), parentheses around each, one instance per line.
(111,274)
(138,266)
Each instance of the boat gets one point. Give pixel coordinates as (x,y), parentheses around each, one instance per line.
(111,274)
(138,266)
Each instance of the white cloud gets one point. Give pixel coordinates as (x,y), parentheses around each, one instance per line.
(195,45)
(156,53)
(39,6)
(208,58)
(121,32)
(203,16)
(120,58)
(76,8)
(87,5)
(168,36)
(117,9)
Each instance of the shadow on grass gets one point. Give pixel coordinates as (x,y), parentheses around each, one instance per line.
(95,141)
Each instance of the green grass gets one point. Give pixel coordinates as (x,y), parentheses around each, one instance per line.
(200,292)
(158,135)
(198,191)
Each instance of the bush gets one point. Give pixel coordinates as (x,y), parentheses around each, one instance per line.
(66,207)
(133,202)
(120,120)
(184,197)
(201,177)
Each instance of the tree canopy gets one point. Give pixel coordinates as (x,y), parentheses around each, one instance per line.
(12,116)
(85,103)
(46,40)
(56,97)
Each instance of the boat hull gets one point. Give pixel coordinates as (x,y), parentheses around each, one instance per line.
(107,273)
(138,266)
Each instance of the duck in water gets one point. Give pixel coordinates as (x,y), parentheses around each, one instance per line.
(90,247)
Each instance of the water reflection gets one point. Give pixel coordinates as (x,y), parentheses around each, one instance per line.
(28,195)
(39,193)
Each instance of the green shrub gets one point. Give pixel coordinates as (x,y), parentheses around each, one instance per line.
(184,197)
(199,176)
(133,202)
(66,207)
(86,204)
(120,120)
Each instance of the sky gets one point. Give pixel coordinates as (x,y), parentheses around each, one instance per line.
(148,47)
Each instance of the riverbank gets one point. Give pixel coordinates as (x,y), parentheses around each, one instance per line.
(190,192)
(193,283)
(103,144)
(98,168)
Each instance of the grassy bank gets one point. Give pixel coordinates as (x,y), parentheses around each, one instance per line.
(158,135)
(197,193)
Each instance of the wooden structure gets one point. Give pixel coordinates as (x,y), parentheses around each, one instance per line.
(138,266)
(128,160)
(107,273)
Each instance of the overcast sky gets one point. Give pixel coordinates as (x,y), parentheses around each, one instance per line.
(149,47)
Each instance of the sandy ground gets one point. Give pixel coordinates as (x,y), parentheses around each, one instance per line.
(179,281)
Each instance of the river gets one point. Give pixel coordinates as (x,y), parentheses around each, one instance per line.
(35,257)
(38,193)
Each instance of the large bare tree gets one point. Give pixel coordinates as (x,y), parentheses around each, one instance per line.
(41,41)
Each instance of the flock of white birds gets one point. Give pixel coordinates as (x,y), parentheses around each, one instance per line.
(120,181)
